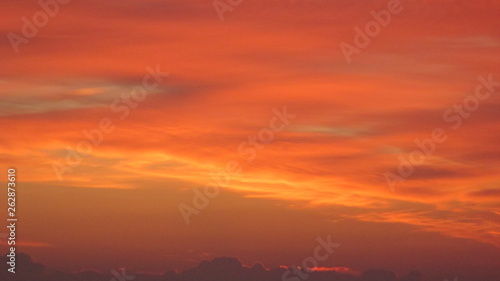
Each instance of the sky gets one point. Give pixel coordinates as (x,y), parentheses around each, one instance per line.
(173,92)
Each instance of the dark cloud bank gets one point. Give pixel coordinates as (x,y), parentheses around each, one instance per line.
(218,269)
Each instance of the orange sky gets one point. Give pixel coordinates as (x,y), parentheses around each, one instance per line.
(324,174)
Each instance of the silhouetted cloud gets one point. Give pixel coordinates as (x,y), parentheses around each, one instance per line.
(217,269)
